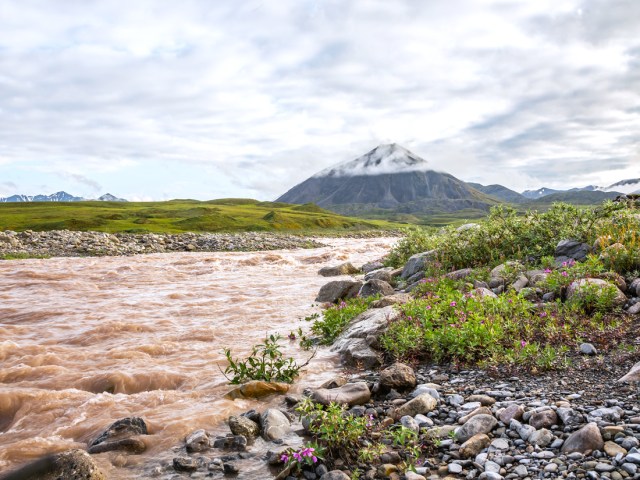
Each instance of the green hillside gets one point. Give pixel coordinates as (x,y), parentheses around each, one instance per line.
(175,216)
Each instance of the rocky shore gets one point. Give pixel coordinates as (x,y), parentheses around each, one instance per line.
(66,243)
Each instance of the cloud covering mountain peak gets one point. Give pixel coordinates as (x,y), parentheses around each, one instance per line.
(384,159)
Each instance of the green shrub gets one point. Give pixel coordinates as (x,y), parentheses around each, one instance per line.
(337,317)
(266,362)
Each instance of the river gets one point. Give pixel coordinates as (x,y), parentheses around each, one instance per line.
(87,341)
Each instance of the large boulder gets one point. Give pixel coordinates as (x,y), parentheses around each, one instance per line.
(70,465)
(587,439)
(417,263)
(571,250)
(342,269)
(350,394)
(375,287)
(337,290)
(275,424)
(369,324)
(384,274)
(398,376)
(587,286)
(359,353)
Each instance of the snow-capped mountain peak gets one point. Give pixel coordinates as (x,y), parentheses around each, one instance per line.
(389,158)
(624,186)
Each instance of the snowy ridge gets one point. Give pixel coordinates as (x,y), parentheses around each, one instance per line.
(383,159)
(624,186)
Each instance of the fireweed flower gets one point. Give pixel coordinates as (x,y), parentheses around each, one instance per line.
(284,458)
(452,304)
(523,343)
(564,274)
(547,270)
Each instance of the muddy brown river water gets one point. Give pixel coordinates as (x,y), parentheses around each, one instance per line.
(86,341)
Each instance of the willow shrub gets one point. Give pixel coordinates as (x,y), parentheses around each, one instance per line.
(505,234)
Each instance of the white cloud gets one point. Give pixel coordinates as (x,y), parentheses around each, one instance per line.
(261,95)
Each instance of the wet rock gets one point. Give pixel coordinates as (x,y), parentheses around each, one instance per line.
(129,445)
(588,438)
(230,468)
(342,269)
(185,464)
(70,465)
(257,389)
(477,424)
(197,441)
(243,426)
(275,424)
(375,287)
(398,376)
(231,442)
(123,428)
(350,394)
(337,290)
(422,404)
(474,445)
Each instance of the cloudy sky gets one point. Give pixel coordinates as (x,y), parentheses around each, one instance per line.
(206,99)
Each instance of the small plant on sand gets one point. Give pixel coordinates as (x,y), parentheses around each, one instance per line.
(266,362)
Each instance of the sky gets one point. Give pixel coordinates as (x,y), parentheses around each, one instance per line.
(158,99)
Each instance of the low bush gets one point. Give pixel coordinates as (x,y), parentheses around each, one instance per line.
(337,317)
(266,362)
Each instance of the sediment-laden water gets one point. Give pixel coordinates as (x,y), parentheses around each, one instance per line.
(86,341)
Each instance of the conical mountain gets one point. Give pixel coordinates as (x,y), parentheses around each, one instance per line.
(390,178)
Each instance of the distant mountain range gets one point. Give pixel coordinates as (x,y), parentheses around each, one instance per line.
(392,180)
(58,197)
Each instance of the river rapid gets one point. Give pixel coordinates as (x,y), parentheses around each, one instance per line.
(87,341)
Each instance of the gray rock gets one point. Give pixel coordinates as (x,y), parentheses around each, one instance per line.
(398,376)
(410,423)
(543,419)
(375,287)
(588,438)
(243,426)
(632,375)
(275,424)
(417,263)
(454,468)
(350,394)
(520,283)
(335,475)
(381,274)
(571,249)
(569,416)
(123,428)
(459,274)
(372,266)
(512,412)
(185,464)
(524,431)
(129,445)
(541,438)
(337,290)
(634,309)
(421,404)
(588,349)
(342,269)
(477,424)
(633,458)
(197,441)
(608,415)
(231,442)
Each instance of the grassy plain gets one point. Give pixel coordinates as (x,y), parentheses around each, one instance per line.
(175,216)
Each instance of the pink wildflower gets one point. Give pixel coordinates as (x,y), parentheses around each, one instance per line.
(452,304)
(284,458)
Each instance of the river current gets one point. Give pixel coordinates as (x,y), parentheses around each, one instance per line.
(87,341)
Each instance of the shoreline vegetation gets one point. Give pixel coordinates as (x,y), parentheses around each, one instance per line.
(494,350)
